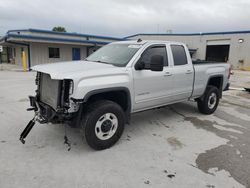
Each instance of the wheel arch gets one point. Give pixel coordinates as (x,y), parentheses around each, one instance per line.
(216,81)
(120,95)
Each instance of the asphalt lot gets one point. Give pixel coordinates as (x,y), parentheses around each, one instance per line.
(169,147)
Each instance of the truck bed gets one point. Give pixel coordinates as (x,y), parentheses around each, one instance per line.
(204,70)
(200,62)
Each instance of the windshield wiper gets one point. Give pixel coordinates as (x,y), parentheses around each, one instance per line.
(101,62)
(98,61)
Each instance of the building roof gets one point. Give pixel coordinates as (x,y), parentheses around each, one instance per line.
(37,35)
(63,33)
(189,34)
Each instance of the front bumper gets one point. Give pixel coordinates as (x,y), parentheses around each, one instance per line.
(44,114)
(47,114)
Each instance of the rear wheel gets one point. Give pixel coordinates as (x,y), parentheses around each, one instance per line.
(208,104)
(103,124)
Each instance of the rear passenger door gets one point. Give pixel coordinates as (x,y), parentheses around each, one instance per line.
(182,73)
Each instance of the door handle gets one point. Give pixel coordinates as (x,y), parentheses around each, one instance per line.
(188,72)
(168,74)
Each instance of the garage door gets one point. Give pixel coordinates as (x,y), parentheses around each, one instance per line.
(217,50)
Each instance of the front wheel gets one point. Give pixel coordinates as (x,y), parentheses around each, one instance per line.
(210,100)
(103,124)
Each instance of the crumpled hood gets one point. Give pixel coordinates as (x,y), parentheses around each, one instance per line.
(73,69)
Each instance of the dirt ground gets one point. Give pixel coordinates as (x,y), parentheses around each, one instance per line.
(170,147)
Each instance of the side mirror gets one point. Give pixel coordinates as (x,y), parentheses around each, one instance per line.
(139,65)
(156,63)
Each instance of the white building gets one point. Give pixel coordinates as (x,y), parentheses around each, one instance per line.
(34,46)
(231,47)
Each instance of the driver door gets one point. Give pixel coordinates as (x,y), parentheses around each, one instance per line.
(152,88)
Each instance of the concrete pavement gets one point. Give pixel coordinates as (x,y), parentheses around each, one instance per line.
(170,147)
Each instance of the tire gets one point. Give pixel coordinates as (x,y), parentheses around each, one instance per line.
(208,104)
(104,124)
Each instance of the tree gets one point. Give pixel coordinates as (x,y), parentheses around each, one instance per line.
(59,29)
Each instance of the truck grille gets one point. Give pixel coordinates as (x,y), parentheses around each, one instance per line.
(49,90)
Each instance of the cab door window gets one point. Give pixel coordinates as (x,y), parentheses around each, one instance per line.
(179,55)
(151,51)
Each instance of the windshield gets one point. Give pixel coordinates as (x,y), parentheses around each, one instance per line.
(115,54)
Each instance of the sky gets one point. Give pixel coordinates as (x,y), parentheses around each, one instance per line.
(121,18)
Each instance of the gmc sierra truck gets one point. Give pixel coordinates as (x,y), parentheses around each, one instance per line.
(99,94)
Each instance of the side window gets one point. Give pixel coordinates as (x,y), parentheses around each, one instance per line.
(179,55)
(154,50)
(54,53)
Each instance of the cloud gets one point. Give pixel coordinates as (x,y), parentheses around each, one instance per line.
(121,18)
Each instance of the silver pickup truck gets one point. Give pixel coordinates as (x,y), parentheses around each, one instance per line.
(98,94)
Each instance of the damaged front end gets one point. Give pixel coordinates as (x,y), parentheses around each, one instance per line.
(52,103)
